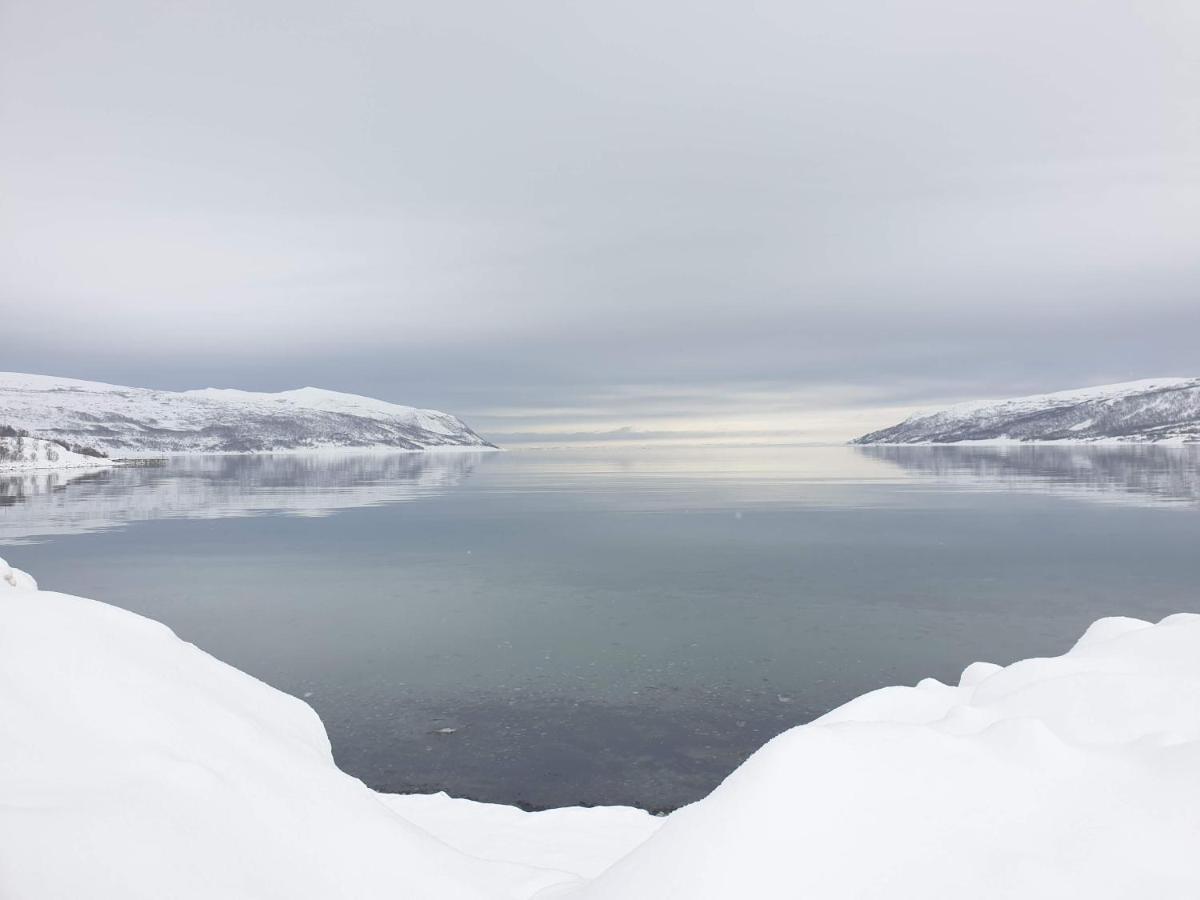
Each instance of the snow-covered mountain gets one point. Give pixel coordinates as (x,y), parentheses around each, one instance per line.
(128,421)
(1156,409)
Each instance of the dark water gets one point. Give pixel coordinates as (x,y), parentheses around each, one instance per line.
(613,627)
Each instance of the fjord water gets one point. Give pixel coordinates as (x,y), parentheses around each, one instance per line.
(613,626)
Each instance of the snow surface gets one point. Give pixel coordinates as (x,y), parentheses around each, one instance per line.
(574,839)
(133,765)
(133,421)
(24,453)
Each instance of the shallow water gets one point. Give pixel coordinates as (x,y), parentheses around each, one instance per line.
(560,627)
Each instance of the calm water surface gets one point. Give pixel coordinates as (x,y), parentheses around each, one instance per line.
(613,626)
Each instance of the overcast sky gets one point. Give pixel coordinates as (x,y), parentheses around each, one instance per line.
(780,220)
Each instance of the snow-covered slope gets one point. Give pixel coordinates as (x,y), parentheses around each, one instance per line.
(127,421)
(1156,409)
(135,766)
(34,453)
(1076,776)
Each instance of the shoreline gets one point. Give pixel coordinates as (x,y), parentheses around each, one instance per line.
(140,458)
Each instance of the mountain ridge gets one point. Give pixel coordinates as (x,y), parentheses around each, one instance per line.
(1152,410)
(131,421)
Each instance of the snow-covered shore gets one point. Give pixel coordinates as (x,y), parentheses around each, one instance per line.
(30,453)
(133,765)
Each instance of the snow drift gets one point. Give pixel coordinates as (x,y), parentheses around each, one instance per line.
(129,421)
(133,765)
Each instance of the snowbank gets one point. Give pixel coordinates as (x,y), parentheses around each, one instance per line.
(34,453)
(133,765)
(1076,777)
(582,841)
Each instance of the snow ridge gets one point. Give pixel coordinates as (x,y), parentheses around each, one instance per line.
(128,421)
(1151,410)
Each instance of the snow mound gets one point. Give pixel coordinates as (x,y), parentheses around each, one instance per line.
(582,841)
(34,453)
(1076,776)
(133,765)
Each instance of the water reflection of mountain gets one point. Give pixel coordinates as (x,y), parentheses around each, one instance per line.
(1139,474)
(37,504)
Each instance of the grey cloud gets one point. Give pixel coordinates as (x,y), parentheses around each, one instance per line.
(476,205)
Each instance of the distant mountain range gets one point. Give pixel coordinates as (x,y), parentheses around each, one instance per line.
(129,421)
(1153,410)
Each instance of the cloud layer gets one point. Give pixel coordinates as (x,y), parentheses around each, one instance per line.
(724,216)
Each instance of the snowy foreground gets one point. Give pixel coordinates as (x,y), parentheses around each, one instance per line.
(133,765)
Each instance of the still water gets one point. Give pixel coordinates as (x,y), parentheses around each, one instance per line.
(562,627)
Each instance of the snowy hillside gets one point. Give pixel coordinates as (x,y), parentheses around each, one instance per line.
(133,766)
(1157,409)
(34,453)
(126,421)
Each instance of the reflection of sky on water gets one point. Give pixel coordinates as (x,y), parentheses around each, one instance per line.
(41,504)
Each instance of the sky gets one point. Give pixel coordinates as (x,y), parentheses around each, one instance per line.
(629,221)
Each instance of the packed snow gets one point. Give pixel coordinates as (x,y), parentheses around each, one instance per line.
(133,765)
(129,421)
(1151,410)
(583,841)
(24,453)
